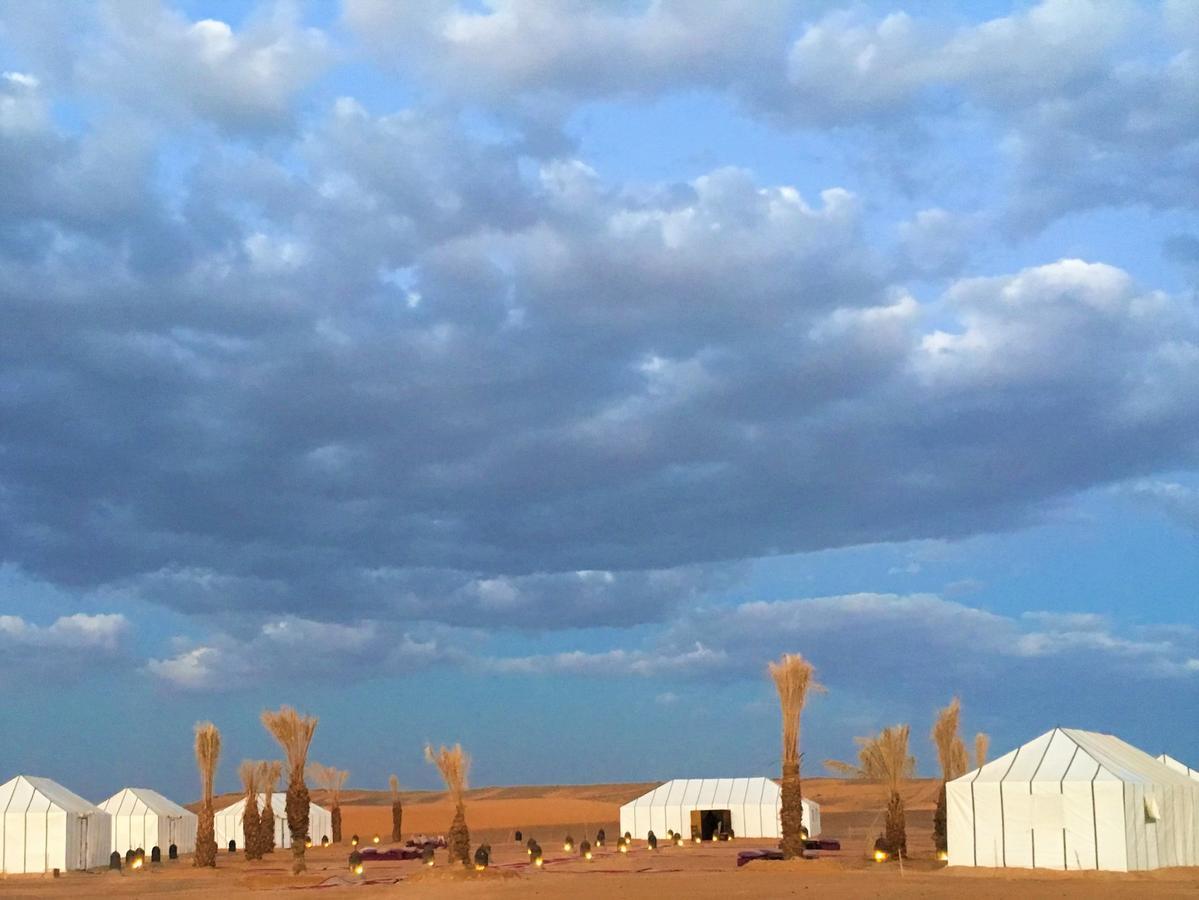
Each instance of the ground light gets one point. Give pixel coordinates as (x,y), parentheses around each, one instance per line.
(482,858)
(678,840)
(538,859)
(308,843)
(585,849)
(356,863)
(375,839)
(427,856)
(569,844)
(943,855)
(880,856)
(622,845)
(354,841)
(137,863)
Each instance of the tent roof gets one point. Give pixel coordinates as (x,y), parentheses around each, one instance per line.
(1070,754)
(138,801)
(1178,766)
(712,793)
(51,791)
(278,805)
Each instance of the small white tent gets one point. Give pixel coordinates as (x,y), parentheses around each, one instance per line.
(228,822)
(1074,799)
(751,806)
(43,826)
(1177,766)
(144,819)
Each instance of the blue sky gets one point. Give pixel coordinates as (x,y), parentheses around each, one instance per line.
(528,375)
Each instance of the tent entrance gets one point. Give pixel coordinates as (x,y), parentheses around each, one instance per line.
(709,822)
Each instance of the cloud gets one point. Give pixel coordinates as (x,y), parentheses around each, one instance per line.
(291,650)
(914,648)
(69,648)
(1178,501)
(81,631)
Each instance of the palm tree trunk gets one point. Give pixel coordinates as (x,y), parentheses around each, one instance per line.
(895,832)
(336,816)
(459,842)
(205,854)
(791,812)
(397,821)
(940,825)
(297,819)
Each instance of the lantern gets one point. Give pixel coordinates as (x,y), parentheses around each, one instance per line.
(943,855)
(427,856)
(600,837)
(569,844)
(354,841)
(356,863)
(880,855)
(482,858)
(585,849)
(538,859)
(375,839)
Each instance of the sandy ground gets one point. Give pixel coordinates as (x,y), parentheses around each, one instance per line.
(548,813)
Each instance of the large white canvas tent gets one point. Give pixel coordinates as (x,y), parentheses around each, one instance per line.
(143,819)
(1074,799)
(228,822)
(43,826)
(1178,766)
(750,806)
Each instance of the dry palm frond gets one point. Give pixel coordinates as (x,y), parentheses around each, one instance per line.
(208,751)
(982,743)
(951,751)
(293,732)
(330,779)
(883,759)
(248,773)
(792,676)
(454,765)
(269,771)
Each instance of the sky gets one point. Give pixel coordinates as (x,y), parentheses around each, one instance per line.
(529,374)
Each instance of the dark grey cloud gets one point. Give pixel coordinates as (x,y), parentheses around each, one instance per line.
(390,363)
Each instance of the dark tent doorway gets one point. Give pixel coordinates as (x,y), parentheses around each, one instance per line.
(707,823)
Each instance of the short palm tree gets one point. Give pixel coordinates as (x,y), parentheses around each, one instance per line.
(454,765)
(884,759)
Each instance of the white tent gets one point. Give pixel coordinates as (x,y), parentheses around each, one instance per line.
(1177,766)
(228,822)
(1074,800)
(144,819)
(752,804)
(44,826)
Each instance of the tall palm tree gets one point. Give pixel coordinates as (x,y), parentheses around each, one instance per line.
(208,752)
(884,759)
(294,733)
(792,676)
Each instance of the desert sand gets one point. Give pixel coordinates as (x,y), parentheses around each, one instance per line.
(851,812)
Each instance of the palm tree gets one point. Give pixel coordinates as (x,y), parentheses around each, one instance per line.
(397,810)
(208,752)
(251,825)
(294,734)
(269,771)
(952,756)
(884,759)
(792,676)
(454,765)
(332,780)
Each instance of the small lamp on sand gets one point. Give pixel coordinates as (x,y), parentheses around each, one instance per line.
(354,841)
(622,844)
(426,855)
(600,837)
(114,861)
(569,844)
(375,839)
(651,841)
(538,858)
(356,863)
(482,858)
(530,845)
(678,839)
(519,837)
(585,849)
